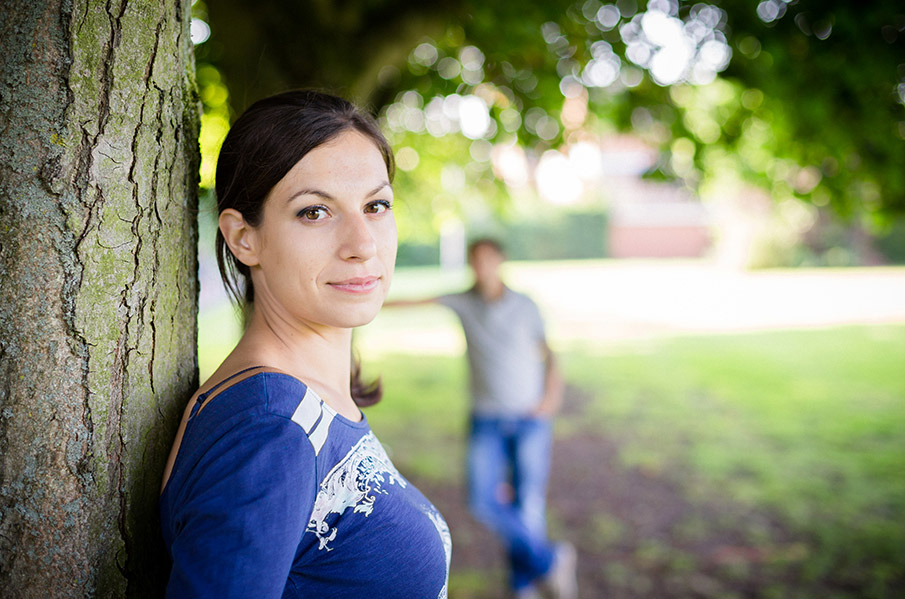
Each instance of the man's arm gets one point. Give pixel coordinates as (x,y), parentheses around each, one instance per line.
(553,385)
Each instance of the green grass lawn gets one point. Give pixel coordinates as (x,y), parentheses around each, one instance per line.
(808,426)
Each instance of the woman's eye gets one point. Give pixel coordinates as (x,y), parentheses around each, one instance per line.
(378,207)
(313,213)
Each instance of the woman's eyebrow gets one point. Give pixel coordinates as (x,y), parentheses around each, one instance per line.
(326,196)
(380,187)
(310,192)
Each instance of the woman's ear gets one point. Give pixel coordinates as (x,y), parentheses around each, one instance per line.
(240,237)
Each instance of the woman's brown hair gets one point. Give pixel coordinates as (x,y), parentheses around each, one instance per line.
(264,143)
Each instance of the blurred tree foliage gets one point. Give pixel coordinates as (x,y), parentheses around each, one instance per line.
(803,98)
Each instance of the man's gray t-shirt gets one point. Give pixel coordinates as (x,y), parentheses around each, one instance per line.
(504,345)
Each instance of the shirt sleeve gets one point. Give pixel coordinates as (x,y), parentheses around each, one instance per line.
(453,301)
(243,515)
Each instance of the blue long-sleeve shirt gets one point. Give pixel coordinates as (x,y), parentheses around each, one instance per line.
(274,494)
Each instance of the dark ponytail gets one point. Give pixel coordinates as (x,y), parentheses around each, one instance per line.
(364,394)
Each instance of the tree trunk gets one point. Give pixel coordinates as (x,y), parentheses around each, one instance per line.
(98,288)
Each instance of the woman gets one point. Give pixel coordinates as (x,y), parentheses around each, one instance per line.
(276,487)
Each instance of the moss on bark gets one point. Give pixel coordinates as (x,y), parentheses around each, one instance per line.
(98,288)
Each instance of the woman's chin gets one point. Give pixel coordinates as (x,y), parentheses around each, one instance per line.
(359,317)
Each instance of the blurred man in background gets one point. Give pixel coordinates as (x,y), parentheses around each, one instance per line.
(516,389)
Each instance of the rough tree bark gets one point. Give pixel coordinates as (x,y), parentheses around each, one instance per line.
(98,287)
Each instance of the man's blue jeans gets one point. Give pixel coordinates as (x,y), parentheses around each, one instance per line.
(508,468)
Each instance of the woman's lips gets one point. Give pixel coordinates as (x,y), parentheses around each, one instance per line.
(356,285)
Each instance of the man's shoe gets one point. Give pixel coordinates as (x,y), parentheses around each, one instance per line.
(527,593)
(561,581)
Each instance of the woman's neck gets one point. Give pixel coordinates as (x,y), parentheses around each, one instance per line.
(319,357)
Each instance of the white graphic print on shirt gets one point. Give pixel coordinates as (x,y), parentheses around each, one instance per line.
(353,483)
(443,531)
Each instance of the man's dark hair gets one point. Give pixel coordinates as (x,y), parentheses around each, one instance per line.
(485,241)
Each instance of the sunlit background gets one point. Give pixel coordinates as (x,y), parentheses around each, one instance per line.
(705,199)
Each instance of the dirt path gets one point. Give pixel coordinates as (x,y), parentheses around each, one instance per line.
(637,534)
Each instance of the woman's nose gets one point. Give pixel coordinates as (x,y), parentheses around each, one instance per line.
(358,241)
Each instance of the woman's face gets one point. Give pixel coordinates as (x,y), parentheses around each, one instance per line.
(326,245)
